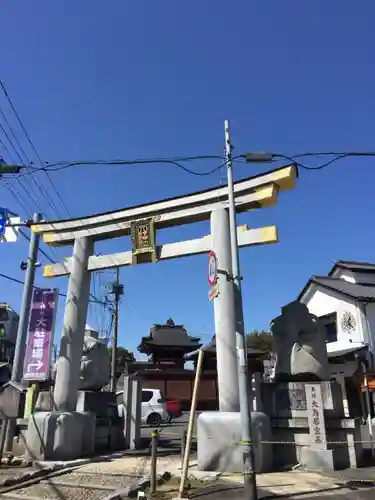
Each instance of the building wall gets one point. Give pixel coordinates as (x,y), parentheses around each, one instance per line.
(321,301)
(369,317)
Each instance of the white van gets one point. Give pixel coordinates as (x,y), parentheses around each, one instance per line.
(153,407)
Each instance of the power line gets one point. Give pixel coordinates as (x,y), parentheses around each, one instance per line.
(39,188)
(20,282)
(16,195)
(28,193)
(35,151)
(14,135)
(55,167)
(294,158)
(257,157)
(49,258)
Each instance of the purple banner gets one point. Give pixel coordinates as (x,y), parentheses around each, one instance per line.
(40,336)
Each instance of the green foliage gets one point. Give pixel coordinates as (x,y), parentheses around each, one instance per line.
(123,356)
(260,340)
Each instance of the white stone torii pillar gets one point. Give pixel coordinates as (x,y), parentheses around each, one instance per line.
(69,361)
(225,315)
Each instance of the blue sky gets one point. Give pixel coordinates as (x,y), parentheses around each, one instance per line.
(120,79)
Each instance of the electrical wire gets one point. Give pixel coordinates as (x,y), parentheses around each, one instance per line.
(338,156)
(58,166)
(41,188)
(55,167)
(16,195)
(36,287)
(27,192)
(25,157)
(95,299)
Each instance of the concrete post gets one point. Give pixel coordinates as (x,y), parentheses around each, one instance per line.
(225,317)
(69,362)
(132,412)
(23,325)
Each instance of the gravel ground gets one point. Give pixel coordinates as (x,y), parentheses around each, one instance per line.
(73,486)
(113,480)
(57,492)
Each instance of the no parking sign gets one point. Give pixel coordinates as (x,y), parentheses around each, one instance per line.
(212,276)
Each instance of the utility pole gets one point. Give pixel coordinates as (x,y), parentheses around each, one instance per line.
(23,324)
(117,289)
(250,489)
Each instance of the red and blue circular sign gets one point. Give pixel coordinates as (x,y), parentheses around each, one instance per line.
(212,268)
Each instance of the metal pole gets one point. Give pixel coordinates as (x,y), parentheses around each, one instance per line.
(23,324)
(26,304)
(250,488)
(115,332)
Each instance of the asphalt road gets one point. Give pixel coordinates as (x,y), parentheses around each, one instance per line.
(170,435)
(224,491)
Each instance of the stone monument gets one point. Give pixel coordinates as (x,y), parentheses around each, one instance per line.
(301,353)
(95,363)
(305,406)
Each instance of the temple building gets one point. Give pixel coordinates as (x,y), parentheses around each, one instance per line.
(166,345)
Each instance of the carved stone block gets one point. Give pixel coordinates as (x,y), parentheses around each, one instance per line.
(299,344)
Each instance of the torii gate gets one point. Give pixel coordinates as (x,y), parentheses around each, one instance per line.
(141,223)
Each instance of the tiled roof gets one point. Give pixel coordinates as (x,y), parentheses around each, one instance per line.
(353,266)
(358,292)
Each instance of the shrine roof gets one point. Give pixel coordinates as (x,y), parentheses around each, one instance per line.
(170,335)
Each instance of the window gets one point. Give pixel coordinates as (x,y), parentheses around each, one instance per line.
(329,325)
(146,396)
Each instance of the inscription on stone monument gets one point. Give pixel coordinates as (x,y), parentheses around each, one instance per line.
(289,397)
(314,401)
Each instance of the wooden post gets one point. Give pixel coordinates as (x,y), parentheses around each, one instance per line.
(189,436)
(154,449)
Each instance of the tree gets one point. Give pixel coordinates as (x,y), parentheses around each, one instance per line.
(123,356)
(260,340)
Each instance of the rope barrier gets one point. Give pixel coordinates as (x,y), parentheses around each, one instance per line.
(347,442)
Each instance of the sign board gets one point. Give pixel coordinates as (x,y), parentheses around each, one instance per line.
(315,415)
(10,234)
(212,276)
(142,233)
(3,220)
(40,335)
(212,268)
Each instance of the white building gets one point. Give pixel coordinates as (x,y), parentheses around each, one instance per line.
(345,302)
